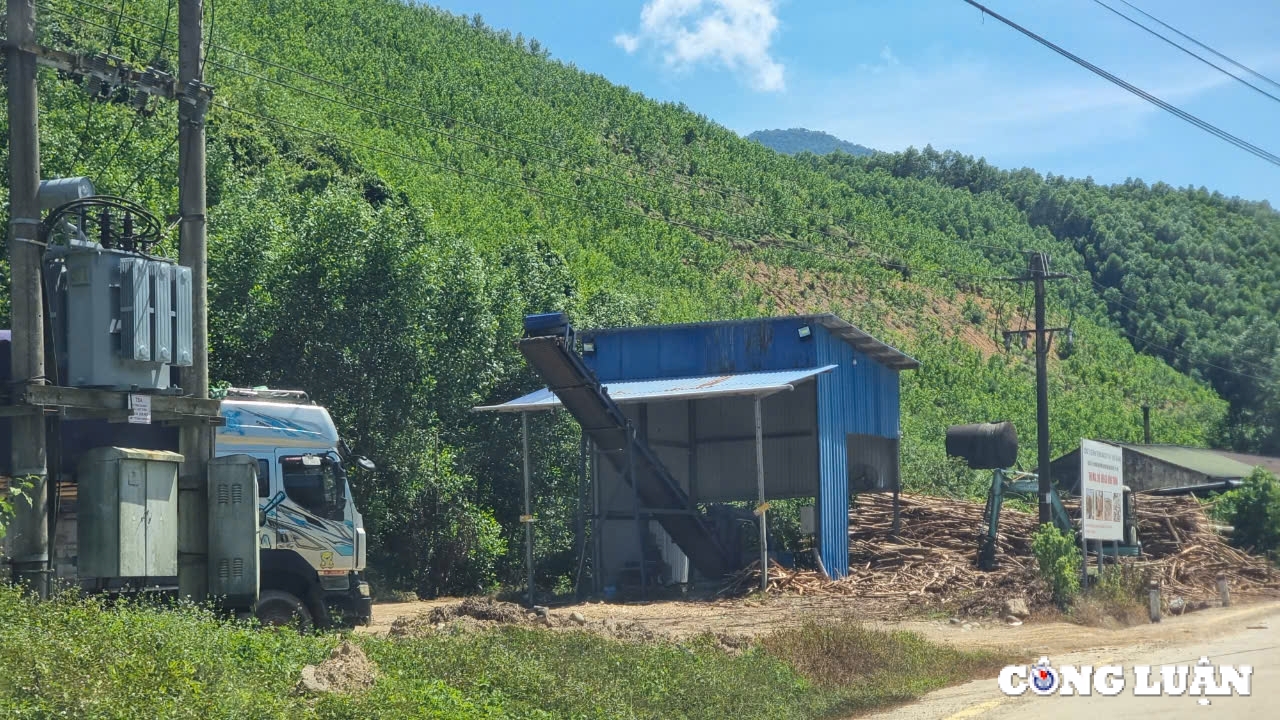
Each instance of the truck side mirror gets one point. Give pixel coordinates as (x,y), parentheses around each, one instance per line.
(366,464)
(262,517)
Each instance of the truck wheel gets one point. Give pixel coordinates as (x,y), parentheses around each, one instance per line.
(277,608)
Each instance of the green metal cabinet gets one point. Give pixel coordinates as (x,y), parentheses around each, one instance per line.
(128,513)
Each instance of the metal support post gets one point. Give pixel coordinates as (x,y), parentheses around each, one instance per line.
(580,541)
(635,497)
(1084,566)
(1153,600)
(30,544)
(527,518)
(764,532)
(693,454)
(597,550)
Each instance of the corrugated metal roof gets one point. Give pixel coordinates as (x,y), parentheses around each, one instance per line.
(860,340)
(1206,462)
(1270,463)
(882,353)
(690,388)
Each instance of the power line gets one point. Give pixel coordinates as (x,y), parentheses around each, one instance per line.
(700,230)
(1122,302)
(811,249)
(133,124)
(1212,129)
(92,105)
(1246,68)
(1201,58)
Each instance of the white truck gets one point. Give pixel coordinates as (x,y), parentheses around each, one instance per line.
(312,539)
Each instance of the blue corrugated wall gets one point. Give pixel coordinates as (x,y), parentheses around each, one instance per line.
(859,396)
(712,349)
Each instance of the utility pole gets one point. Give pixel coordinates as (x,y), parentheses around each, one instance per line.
(1040,268)
(195,441)
(31,519)
(1038,273)
(1146,424)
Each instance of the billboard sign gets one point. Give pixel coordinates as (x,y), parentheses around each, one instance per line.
(1101,491)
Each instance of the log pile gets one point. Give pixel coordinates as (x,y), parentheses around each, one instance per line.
(1189,555)
(932,558)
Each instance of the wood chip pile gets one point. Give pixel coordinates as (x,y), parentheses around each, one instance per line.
(1175,532)
(931,560)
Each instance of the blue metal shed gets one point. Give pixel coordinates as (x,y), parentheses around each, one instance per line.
(826,394)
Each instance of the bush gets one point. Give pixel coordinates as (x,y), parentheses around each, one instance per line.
(1254,511)
(1059,561)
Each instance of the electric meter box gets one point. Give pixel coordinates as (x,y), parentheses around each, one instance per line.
(233,530)
(128,513)
(120,319)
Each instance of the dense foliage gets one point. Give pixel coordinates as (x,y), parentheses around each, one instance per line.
(73,658)
(1253,511)
(377,241)
(799,140)
(1191,276)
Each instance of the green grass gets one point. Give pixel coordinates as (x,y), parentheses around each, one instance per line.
(75,658)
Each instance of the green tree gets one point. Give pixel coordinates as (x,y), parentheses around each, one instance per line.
(1254,512)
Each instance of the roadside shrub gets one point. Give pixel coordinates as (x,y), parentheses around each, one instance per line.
(1254,511)
(1059,561)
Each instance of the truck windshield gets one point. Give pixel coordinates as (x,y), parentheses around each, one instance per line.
(319,489)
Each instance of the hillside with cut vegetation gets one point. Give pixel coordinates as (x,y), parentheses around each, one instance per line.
(392,188)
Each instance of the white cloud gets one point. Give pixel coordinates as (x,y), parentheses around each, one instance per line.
(735,34)
(630,43)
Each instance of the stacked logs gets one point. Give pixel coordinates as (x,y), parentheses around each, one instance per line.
(932,557)
(1189,555)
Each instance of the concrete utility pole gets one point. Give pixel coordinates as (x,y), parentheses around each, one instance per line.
(30,546)
(1146,424)
(1040,268)
(195,441)
(1038,273)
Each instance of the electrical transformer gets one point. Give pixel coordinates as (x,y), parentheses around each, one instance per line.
(121,319)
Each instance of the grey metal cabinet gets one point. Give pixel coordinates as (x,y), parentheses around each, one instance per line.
(128,513)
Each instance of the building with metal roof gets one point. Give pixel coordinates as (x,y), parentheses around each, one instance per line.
(682,417)
(1169,469)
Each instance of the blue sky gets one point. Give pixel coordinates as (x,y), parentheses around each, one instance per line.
(892,74)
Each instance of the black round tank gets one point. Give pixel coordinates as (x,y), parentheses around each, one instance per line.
(984,446)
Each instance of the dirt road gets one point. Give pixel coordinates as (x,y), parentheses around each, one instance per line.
(735,617)
(1235,636)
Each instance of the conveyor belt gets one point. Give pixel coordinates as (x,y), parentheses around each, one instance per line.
(600,417)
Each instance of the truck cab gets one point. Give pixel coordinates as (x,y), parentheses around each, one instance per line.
(312,542)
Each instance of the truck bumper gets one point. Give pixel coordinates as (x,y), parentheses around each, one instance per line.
(355,603)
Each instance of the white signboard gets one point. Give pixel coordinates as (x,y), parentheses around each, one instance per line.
(1101,491)
(140,405)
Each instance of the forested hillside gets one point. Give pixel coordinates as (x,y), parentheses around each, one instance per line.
(392,188)
(799,140)
(1191,276)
